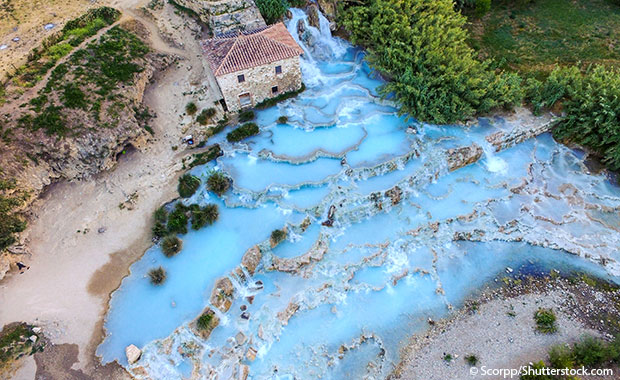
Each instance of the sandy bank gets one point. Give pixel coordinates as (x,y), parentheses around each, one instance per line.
(82,241)
(499,329)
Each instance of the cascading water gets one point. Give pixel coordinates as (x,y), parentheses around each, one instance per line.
(411,234)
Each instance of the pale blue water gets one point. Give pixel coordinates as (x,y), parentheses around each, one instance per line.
(387,269)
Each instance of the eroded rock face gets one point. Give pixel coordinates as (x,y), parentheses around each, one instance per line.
(133,353)
(394,194)
(221,296)
(294,264)
(463,156)
(328,7)
(251,259)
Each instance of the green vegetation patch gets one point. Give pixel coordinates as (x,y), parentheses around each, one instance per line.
(246,115)
(15,343)
(272,10)
(589,352)
(535,35)
(157,275)
(188,184)
(210,154)
(42,59)
(205,116)
(218,183)
(171,245)
(545,321)
(89,81)
(243,132)
(420,45)
(270,102)
(205,321)
(277,236)
(11,222)
(204,216)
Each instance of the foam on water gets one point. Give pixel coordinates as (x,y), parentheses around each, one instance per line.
(410,239)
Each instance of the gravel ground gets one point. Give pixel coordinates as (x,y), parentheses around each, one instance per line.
(499,329)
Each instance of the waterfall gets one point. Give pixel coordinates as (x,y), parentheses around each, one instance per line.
(493,163)
(317,44)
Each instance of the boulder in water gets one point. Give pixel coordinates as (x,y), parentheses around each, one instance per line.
(133,353)
(313,16)
(463,156)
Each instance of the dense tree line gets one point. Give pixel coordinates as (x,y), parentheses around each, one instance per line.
(420,47)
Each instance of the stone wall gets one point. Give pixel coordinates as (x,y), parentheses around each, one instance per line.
(259,81)
(226,15)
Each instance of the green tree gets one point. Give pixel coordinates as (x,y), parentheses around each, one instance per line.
(420,46)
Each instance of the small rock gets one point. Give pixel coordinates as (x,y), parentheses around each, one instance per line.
(251,354)
(133,353)
(509,270)
(101,230)
(33,338)
(240,338)
(36,330)
(245,315)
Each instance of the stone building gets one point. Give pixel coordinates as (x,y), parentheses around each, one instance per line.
(251,66)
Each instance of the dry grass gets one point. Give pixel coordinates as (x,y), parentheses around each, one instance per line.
(25,19)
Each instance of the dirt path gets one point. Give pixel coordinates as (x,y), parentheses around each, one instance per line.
(82,242)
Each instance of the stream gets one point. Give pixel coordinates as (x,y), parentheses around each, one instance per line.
(410,237)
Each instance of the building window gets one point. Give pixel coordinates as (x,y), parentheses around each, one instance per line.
(278,69)
(245,100)
(274,89)
(241,78)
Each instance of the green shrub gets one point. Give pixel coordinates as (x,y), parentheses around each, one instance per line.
(161,215)
(561,357)
(205,116)
(177,220)
(171,245)
(545,321)
(204,216)
(482,7)
(270,102)
(589,352)
(204,321)
(210,154)
(188,184)
(157,276)
(472,360)
(246,115)
(282,120)
(74,97)
(447,358)
(244,131)
(159,230)
(421,46)
(277,236)
(590,102)
(191,108)
(537,366)
(272,10)
(218,183)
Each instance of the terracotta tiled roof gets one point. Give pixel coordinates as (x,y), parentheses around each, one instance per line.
(237,51)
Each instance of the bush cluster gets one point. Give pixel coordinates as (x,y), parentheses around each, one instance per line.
(588,352)
(545,321)
(171,245)
(176,221)
(246,115)
(421,46)
(157,276)
(272,10)
(242,132)
(188,184)
(218,183)
(277,236)
(205,116)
